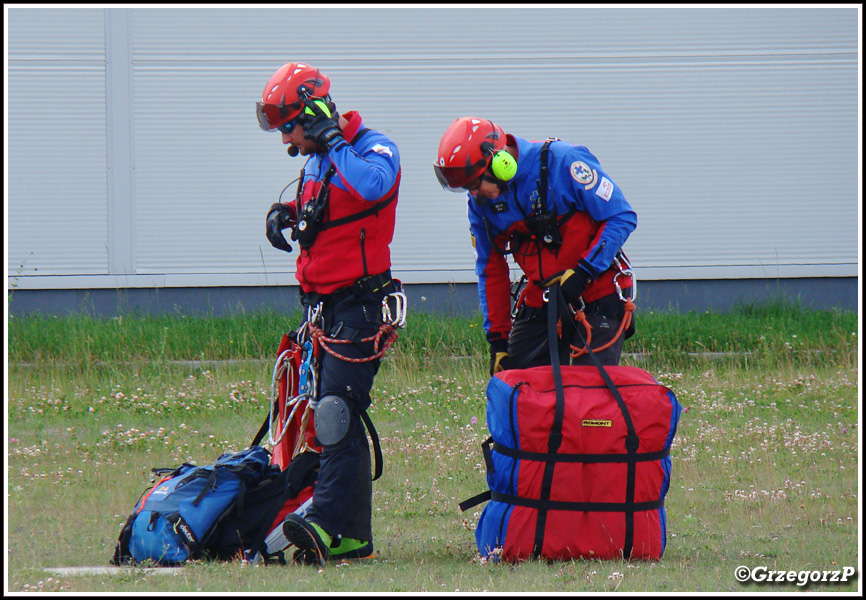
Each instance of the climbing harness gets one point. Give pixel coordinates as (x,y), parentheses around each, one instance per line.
(305,351)
(392,320)
(580,315)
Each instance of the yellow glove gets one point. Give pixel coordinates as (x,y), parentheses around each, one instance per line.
(499,359)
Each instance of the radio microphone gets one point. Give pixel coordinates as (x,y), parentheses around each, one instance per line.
(292,150)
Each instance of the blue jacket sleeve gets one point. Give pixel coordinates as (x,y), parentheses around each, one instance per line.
(594,192)
(370,168)
(494,280)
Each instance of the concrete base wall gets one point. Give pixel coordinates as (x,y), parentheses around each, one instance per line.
(717,295)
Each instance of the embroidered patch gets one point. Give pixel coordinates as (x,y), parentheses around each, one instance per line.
(605,189)
(161,491)
(380,149)
(582,174)
(499,207)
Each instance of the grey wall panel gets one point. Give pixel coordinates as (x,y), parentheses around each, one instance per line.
(55,135)
(732,130)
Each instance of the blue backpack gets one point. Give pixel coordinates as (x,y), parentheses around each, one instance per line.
(182,517)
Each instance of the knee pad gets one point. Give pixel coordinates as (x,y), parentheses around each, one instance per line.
(333,419)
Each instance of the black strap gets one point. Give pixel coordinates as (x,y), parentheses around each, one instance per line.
(377,448)
(554,440)
(581,458)
(626,507)
(260,434)
(540,203)
(475,500)
(632,441)
(377,206)
(207,487)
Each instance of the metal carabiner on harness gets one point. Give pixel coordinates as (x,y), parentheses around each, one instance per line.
(308,369)
(627,272)
(307,372)
(397,316)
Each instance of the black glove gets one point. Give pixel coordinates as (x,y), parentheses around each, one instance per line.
(572,282)
(499,359)
(322,123)
(279,217)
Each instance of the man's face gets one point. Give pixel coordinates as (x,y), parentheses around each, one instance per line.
(296,138)
(484,187)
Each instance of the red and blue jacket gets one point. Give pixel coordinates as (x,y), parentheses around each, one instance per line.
(594,220)
(358,224)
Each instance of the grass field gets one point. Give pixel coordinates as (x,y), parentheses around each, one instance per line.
(766,468)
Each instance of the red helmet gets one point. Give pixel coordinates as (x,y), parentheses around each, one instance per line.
(285,92)
(466,150)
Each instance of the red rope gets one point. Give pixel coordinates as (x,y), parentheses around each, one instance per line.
(580,317)
(319,338)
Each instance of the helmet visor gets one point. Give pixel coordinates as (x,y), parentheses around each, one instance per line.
(271,116)
(453,179)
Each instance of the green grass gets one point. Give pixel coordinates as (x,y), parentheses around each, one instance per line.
(765,463)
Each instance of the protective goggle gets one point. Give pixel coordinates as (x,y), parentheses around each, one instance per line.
(268,114)
(455,179)
(289,126)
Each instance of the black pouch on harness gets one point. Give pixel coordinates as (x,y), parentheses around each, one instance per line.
(310,218)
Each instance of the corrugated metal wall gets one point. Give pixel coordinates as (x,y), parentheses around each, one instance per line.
(135,160)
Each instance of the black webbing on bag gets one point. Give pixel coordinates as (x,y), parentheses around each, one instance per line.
(580,458)
(632,441)
(554,440)
(626,507)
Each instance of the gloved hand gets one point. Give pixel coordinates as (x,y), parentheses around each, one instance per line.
(499,359)
(322,123)
(571,281)
(279,217)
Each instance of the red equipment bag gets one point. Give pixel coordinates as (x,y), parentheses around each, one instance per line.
(594,496)
(578,463)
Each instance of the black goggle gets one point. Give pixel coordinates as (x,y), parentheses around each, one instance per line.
(288,127)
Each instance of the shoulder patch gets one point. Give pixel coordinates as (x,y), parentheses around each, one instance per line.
(582,174)
(605,189)
(380,149)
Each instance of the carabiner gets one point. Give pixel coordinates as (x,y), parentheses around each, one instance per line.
(629,273)
(397,318)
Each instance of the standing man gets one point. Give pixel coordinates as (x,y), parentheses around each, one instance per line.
(551,206)
(342,218)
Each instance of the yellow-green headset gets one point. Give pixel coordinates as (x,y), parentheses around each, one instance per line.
(503,165)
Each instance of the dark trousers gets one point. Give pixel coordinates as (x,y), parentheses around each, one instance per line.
(342,500)
(528,347)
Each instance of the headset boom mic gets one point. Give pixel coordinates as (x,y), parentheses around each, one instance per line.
(292,150)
